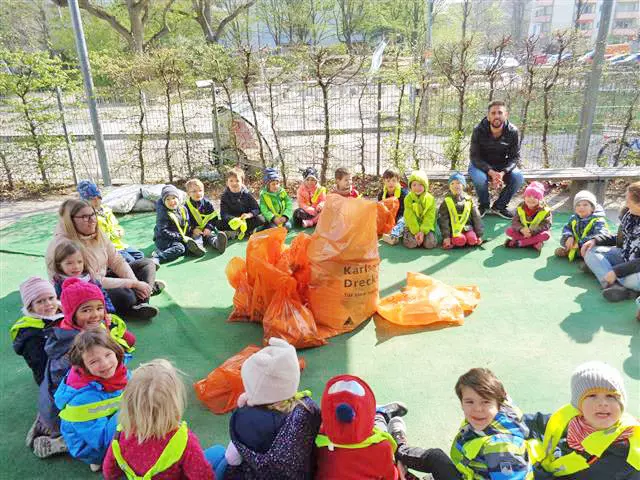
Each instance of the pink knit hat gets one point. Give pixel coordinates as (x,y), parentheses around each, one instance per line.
(75,292)
(535,190)
(34,288)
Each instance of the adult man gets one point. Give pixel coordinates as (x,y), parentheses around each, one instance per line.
(494,153)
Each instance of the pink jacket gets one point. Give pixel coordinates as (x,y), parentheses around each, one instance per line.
(305,197)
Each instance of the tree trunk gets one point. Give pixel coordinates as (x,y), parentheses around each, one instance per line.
(272,116)
(140,145)
(7,170)
(545,130)
(136,41)
(396,151)
(167,155)
(245,83)
(187,149)
(40,160)
(325,147)
(360,116)
(416,126)
(525,110)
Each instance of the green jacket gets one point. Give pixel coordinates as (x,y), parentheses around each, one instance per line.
(272,204)
(420,210)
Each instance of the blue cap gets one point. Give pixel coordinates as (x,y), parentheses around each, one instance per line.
(271,174)
(458,176)
(88,190)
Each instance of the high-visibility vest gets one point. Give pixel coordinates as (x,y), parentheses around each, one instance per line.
(317,193)
(537,220)
(171,454)
(396,193)
(198,217)
(91,411)
(117,331)
(377,436)
(458,221)
(183,213)
(594,444)
(576,238)
(108,223)
(281,197)
(238,223)
(25,322)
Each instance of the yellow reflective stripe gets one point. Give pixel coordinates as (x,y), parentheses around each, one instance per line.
(457,221)
(117,331)
(317,193)
(270,206)
(377,436)
(25,322)
(91,411)
(396,193)
(238,223)
(183,213)
(171,454)
(537,220)
(200,220)
(576,239)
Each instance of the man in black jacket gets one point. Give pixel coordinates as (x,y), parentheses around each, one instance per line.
(494,153)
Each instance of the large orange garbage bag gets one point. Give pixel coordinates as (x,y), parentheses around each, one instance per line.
(343,254)
(287,318)
(268,280)
(426,301)
(296,261)
(236,272)
(266,246)
(387,211)
(220,390)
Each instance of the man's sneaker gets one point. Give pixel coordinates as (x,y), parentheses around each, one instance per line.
(144,311)
(44,447)
(195,249)
(398,430)
(220,243)
(484,209)
(502,212)
(392,410)
(617,293)
(38,429)
(158,287)
(390,239)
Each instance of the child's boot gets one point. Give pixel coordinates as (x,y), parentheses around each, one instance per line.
(220,242)
(398,430)
(390,239)
(38,429)
(44,447)
(195,249)
(392,410)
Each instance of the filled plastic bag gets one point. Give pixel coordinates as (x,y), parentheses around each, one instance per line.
(343,255)
(426,301)
(295,261)
(236,272)
(287,318)
(265,246)
(122,199)
(387,211)
(220,390)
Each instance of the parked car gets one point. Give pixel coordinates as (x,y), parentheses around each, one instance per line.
(616,58)
(627,60)
(552,59)
(486,61)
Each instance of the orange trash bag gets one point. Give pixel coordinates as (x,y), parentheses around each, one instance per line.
(236,272)
(343,254)
(268,280)
(265,246)
(467,295)
(287,318)
(387,211)
(296,261)
(220,390)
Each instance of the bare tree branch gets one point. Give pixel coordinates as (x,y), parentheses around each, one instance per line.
(229,18)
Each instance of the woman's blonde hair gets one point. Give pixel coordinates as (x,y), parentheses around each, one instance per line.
(64,249)
(67,211)
(153,401)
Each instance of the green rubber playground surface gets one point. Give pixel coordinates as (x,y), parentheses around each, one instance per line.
(539,317)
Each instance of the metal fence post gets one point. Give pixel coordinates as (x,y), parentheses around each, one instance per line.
(378,128)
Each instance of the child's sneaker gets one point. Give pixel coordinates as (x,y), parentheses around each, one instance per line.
(231,234)
(398,430)
(95,467)
(38,429)
(508,243)
(158,287)
(155,259)
(561,252)
(195,249)
(306,224)
(390,239)
(220,242)
(392,410)
(44,447)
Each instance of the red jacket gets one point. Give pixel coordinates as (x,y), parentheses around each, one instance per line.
(371,463)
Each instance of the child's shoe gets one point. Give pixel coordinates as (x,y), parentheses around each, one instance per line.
(155,259)
(390,239)
(392,410)
(617,293)
(158,287)
(508,243)
(195,249)
(561,252)
(38,429)
(95,467)
(231,234)
(307,223)
(220,242)
(44,447)
(398,430)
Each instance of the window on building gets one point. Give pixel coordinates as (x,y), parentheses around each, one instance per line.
(544,11)
(627,6)
(625,23)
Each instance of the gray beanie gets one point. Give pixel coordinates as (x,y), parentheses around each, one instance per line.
(169,190)
(585,195)
(596,377)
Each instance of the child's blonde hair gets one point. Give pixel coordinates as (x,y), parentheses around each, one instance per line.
(286,406)
(193,182)
(64,249)
(153,401)
(237,173)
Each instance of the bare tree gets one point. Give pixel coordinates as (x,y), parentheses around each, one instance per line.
(202,12)
(350,16)
(494,67)
(581,7)
(274,14)
(248,71)
(530,46)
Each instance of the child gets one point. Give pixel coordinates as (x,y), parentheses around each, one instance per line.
(458,216)
(239,210)
(202,217)
(83,307)
(107,221)
(273,430)
(592,438)
(311,197)
(353,443)
(171,233)
(151,426)
(89,396)
(344,186)
(531,223)
(618,268)
(419,213)
(68,261)
(587,222)
(275,205)
(391,187)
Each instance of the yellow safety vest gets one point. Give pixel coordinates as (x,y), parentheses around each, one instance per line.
(317,193)
(117,331)
(25,322)
(376,437)
(238,223)
(108,223)
(396,193)
(537,220)
(458,221)
(594,445)
(171,454)
(271,207)
(91,411)
(576,239)
(200,220)
(183,213)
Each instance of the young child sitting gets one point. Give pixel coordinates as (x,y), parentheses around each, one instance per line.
(89,396)
(171,233)
(68,262)
(344,186)
(391,187)
(239,209)
(592,438)
(458,216)
(311,197)
(107,221)
(273,429)
(419,214)
(152,440)
(587,222)
(532,222)
(202,217)
(275,205)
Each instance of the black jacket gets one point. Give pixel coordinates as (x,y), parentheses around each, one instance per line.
(235,204)
(166,230)
(501,154)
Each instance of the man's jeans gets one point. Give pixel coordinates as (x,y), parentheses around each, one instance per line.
(601,261)
(512,183)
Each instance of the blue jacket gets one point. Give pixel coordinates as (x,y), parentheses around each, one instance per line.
(87,441)
(599,227)
(165,231)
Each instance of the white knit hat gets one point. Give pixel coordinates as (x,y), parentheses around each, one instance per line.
(593,377)
(585,195)
(271,374)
